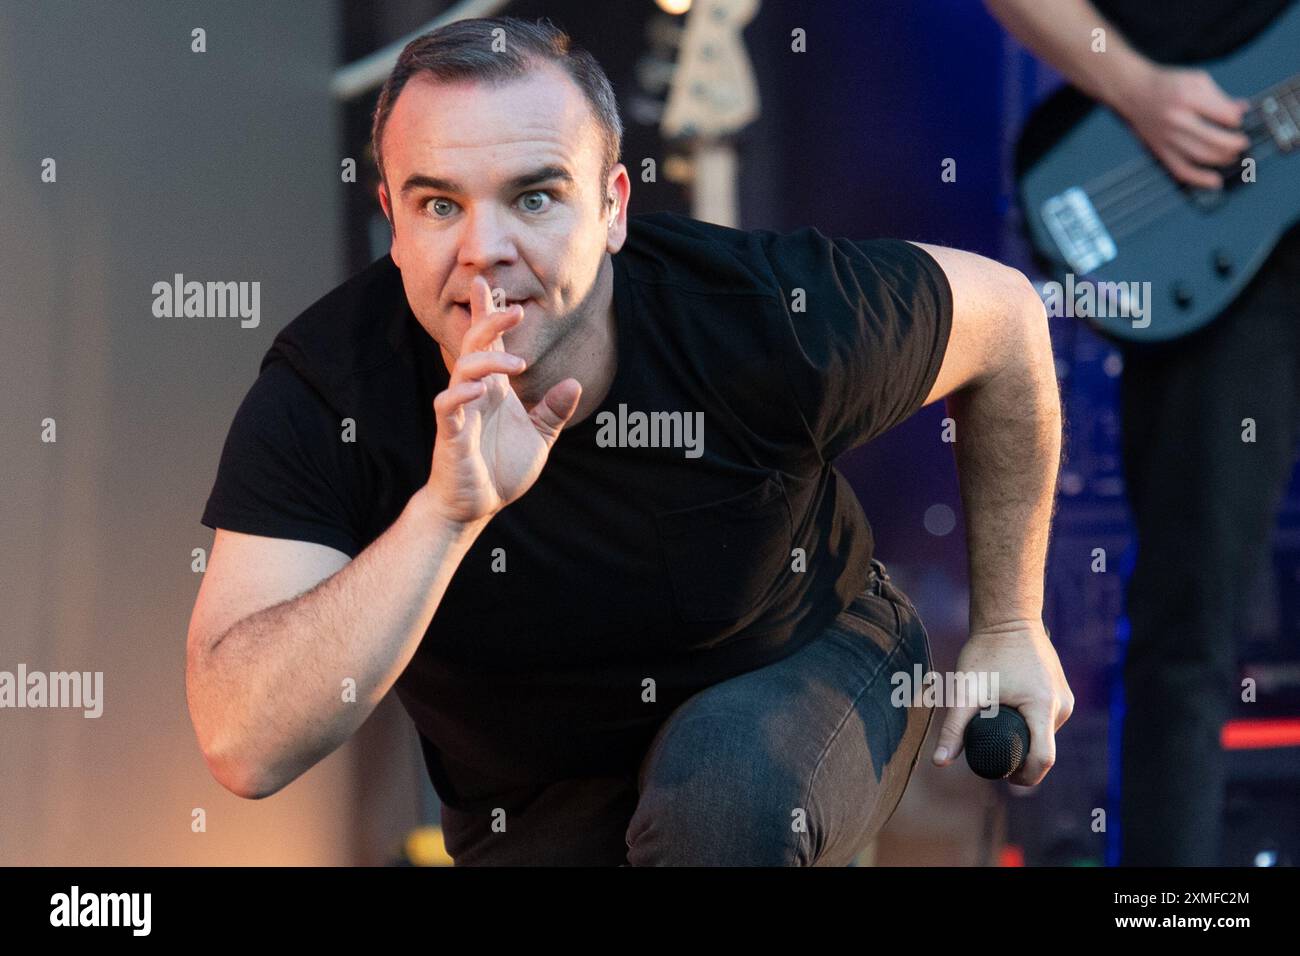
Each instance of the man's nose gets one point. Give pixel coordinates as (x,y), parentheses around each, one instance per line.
(486,240)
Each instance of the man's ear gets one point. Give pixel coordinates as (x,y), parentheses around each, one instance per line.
(386,202)
(386,205)
(620,192)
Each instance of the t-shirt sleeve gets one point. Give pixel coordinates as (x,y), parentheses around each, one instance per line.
(285,471)
(865,350)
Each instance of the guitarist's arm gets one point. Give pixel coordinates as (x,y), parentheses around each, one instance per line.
(1181,114)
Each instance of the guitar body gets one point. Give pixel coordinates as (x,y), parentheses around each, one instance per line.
(1097,210)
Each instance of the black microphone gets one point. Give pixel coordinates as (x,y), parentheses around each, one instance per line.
(996,746)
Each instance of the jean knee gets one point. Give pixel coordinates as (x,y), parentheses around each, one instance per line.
(728,809)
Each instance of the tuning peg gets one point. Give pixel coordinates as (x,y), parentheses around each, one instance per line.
(646,110)
(664,31)
(653,74)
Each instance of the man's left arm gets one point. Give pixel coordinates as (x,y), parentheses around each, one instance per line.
(999,379)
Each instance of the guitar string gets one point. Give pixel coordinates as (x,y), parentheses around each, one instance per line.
(1158,203)
(1150,169)
(1122,222)
(1158,175)
(1140,215)
(1146,162)
(1153,211)
(1168,189)
(1145,169)
(1155,171)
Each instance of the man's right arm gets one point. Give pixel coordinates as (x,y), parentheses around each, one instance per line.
(1181,114)
(280,625)
(1061,33)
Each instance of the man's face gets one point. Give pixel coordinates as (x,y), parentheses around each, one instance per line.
(502,182)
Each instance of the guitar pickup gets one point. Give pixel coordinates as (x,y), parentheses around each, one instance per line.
(1078,231)
(1281,124)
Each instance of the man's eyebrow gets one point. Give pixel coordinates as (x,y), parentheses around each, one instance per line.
(545,174)
(532,178)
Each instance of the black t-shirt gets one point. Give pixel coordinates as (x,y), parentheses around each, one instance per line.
(621,564)
(1185,31)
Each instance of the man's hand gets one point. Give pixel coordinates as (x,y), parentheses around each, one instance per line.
(1191,125)
(1180,114)
(1030,679)
(489,450)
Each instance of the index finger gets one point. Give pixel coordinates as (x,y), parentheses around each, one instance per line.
(1222,108)
(486,324)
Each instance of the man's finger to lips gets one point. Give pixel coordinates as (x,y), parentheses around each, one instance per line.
(482,294)
(486,335)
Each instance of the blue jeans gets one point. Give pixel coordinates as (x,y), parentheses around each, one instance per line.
(799,763)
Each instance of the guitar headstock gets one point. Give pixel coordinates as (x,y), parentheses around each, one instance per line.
(713,92)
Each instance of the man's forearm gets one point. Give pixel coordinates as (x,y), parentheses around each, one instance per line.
(1060,32)
(1008,450)
(268,696)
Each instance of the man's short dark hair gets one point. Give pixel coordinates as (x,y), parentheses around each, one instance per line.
(463,50)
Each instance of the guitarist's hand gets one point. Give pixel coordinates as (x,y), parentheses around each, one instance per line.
(1191,125)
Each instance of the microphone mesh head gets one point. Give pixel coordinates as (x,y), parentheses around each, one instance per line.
(996,746)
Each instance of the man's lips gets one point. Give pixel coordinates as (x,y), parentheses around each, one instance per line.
(509,302)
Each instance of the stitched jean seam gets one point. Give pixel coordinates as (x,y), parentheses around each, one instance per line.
(821,759)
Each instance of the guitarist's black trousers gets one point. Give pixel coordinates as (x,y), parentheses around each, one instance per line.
(1204,492)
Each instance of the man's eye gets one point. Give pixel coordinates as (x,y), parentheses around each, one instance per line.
(534,207)
(433,205)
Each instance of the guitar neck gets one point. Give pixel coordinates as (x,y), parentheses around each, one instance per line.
(1277,111)
(713,185)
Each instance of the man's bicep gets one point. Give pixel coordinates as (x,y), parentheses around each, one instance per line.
(247,573)
(990,303)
